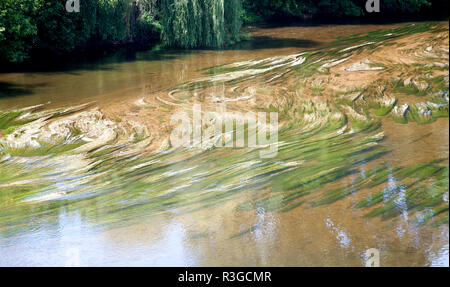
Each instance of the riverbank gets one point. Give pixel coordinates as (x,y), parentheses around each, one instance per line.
(48,61)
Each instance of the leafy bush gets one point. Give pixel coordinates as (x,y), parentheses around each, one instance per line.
(270,9)
(45,24)
(17,29)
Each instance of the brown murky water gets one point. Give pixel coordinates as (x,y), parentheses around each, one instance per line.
(123,77)
(222,235)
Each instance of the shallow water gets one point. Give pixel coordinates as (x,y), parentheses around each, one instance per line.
(329,195)
(124,74)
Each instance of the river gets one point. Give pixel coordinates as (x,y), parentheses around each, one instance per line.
(352,172)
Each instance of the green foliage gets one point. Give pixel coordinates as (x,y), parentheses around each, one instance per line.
(108,26)
(297,8)
(45,24)
(232,14)
(200,23)
(280,9)
(16,29)
(406,5)
(147,26)
(61,31)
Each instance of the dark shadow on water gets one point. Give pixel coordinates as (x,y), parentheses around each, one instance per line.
(93,60)
(265,42)
(15,90)
(104,59)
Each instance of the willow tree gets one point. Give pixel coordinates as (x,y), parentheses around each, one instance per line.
(200,23)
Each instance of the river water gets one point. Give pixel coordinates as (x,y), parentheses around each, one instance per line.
(306,207)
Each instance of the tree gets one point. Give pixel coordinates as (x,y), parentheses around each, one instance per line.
(17,29)
(200,23)
(270,9)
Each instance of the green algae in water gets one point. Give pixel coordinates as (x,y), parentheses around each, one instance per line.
(10,121)
(415,197)
(121,181)
(385,34)
(410,90)
(118,188)
(45,149)
(400,119)
(393,201)
(382,111)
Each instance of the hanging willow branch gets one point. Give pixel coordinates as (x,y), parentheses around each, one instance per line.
(200,23)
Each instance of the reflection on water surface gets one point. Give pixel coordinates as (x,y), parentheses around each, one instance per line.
(352,172)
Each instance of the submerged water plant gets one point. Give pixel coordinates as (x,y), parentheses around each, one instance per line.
(325,145)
